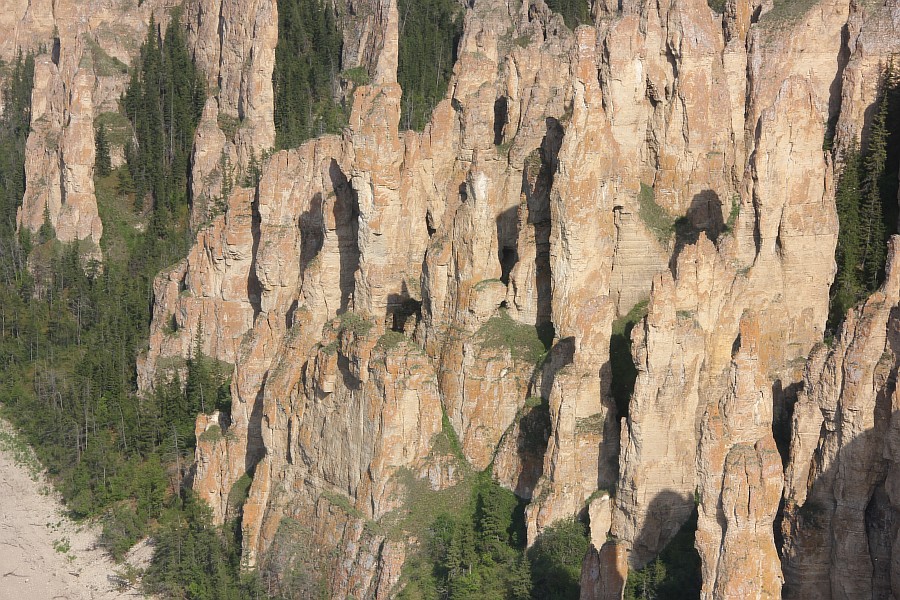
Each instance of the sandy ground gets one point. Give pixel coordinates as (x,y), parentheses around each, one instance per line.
(43,555)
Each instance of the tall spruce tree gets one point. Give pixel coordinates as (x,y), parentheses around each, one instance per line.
(15,122)
(866,199)
(102,161)
(871,214)
(164,102)
(848,285)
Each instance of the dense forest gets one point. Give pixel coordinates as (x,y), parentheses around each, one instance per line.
(307,61)
(429,36)
(866,199)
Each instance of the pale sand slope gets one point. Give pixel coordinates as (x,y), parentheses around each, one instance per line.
(31,522)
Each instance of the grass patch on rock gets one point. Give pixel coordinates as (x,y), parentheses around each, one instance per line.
(654,216)
(523,341)
(355,323)
(391,339)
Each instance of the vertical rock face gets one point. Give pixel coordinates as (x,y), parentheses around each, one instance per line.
(83,49)
(740,480)
(233,42)
(840,496)
(377,287)
(59,155)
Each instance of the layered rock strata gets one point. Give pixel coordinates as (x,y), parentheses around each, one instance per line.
(840,486)
(377,286)
(83,50)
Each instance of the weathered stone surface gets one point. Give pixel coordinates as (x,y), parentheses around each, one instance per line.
(233,43)
(59,161)
(740,480)
(604,572)
(353,288)
(783,240)
(840,493)
(76,78)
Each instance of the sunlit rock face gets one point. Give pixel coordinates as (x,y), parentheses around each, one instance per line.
(82,53)
(380,286)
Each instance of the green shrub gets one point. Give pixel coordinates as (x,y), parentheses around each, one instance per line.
(229,125)
(104,64)
(449,434)
(785,12)
(117,127)
(356,323)
(391,339)
(733,214)
(591,424)
(343,502)
(212,434)
(357,75)
(718,6)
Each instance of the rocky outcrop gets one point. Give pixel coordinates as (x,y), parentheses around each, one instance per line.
(233,43)
(59,156)
(840,496)
(740,480)
(378,287)
(81,69)
(781,240)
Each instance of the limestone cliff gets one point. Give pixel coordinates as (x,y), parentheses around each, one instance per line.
(543,196)
(83,50)
(378,287)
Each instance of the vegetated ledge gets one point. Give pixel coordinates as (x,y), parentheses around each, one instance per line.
(523,341)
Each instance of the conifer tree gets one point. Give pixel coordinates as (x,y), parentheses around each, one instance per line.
(164,102)
(102,162)
(871,216)
(866,200)
(429,35)
(15,123)
(848,285)
(307,61)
